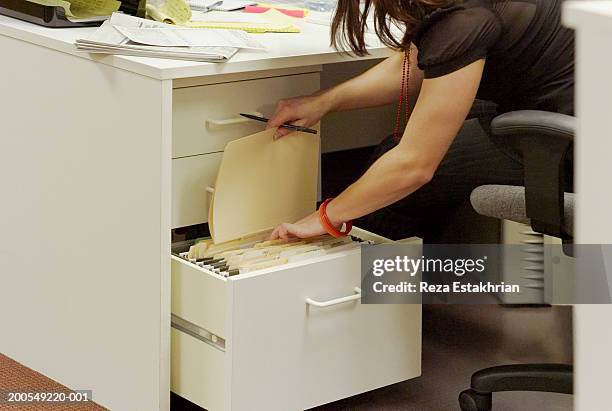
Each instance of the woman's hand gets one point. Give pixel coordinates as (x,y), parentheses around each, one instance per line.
(309,226)
(302,111)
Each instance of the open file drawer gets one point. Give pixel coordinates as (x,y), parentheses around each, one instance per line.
(261,340)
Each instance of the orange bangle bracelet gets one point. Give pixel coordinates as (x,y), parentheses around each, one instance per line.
(328,226)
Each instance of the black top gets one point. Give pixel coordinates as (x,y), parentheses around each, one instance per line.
(529,54)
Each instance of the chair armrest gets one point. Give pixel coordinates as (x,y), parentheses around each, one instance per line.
(525,377)
(523,122)
(543,140)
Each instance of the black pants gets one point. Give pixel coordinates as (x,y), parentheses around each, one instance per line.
(472,160)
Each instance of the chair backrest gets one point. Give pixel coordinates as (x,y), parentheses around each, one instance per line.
(544,141)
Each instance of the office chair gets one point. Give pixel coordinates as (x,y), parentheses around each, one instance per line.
(544,141)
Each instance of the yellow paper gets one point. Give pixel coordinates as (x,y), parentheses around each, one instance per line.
(172,12)
(80,9)
(179,10)
(276,22)
(85,8)
(248,27)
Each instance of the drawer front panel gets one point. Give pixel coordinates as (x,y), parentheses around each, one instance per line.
(198,297)
(197,371)
(206,118)
(190,177)
(316,354)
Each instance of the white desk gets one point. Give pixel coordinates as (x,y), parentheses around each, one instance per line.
(89,173)
(592,21)
(309,48)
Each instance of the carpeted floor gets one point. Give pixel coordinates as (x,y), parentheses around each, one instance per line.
(14,377)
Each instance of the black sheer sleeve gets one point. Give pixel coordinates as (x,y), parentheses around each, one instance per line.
(451,39)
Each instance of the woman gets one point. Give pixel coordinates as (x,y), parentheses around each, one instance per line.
(514,53)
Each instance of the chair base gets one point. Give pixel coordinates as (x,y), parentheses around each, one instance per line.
(470,400)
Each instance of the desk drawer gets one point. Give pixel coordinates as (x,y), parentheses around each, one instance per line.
(198,368)
(190,177)
(284,353)
(205,118)
(199,297)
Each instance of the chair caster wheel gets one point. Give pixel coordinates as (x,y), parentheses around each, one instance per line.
(470,400)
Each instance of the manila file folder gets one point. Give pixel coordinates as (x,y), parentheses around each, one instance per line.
(262,183)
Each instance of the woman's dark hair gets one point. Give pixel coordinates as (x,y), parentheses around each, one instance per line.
(349,23)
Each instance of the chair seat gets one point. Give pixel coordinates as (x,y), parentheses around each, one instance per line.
(508,203)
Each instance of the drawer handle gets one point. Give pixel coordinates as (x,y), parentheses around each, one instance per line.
(336,301)
(231,121)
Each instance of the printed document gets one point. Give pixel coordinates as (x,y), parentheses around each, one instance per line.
(188,37)
(107,39)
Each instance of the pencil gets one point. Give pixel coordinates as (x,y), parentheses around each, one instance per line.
(285,125)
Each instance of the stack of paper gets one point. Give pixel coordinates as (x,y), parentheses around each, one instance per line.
(133,36)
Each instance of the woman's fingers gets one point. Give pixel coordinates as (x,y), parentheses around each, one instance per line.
(308,226)
(283,131)
(282,117)
(280,232)
(285,231)
(287,112)
(274,235)
(283,114)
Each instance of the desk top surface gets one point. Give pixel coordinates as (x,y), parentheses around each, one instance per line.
(595,15)
(308,48)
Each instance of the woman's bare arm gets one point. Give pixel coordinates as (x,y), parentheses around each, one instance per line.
(441,109)
(376,87)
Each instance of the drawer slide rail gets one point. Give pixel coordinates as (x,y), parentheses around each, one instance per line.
(198,332)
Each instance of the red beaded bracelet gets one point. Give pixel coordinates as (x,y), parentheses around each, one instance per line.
(328,226)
